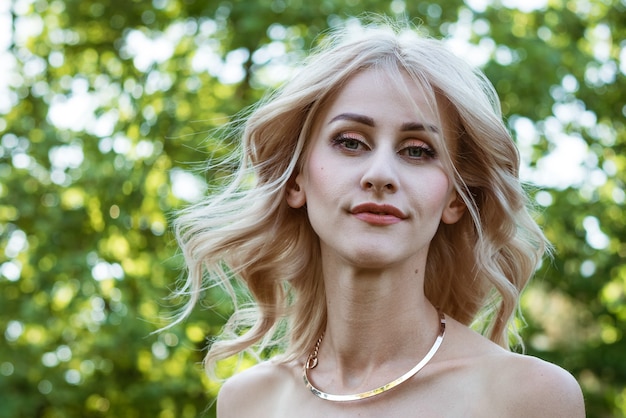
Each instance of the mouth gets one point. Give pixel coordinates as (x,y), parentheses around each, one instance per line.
(378,214)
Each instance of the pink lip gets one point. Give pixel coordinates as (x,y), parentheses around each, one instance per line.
(376,214)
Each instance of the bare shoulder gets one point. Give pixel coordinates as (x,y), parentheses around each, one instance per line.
(253,390)
(531,387)
(509,384)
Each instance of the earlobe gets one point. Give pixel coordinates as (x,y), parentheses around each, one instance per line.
(454,210)
(296,198)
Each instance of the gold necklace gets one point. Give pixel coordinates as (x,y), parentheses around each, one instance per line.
(311,362)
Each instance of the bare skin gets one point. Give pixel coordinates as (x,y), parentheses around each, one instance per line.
(469,377)
(380,323)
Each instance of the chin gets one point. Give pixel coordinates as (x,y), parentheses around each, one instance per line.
(372,259)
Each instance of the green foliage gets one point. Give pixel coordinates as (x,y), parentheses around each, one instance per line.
(107,115)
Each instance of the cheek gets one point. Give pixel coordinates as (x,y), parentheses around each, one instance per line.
(321,179)
(434,188)
(320,183)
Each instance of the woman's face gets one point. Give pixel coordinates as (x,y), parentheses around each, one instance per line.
(374,187)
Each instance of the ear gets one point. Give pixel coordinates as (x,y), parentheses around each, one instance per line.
(454,210)
(296,198)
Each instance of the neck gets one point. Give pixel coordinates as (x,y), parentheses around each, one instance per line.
(377,320)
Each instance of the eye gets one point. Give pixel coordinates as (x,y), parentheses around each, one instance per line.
(349,141)
(418,152)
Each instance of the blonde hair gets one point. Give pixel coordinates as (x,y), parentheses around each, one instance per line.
(248,234)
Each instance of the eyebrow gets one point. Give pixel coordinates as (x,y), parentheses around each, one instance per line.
(366,120)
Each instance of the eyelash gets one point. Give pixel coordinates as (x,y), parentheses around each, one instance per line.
(425,150)
(343,138)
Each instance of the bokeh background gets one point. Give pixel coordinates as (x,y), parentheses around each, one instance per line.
(108,111)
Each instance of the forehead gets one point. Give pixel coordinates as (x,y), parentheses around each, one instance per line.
(386,96)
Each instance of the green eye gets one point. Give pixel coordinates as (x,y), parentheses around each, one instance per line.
(415,152)
(349,141)
(418,152)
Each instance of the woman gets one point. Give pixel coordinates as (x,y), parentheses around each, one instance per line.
(376,215)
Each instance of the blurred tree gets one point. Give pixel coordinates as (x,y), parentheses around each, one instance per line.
(108,109)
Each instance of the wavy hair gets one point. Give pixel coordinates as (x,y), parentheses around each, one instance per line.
(247,240)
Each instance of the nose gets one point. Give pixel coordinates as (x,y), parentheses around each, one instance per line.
(380,175)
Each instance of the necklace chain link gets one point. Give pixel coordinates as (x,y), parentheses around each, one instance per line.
(312,361)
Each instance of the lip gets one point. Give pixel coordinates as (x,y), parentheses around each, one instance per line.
(377,214)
